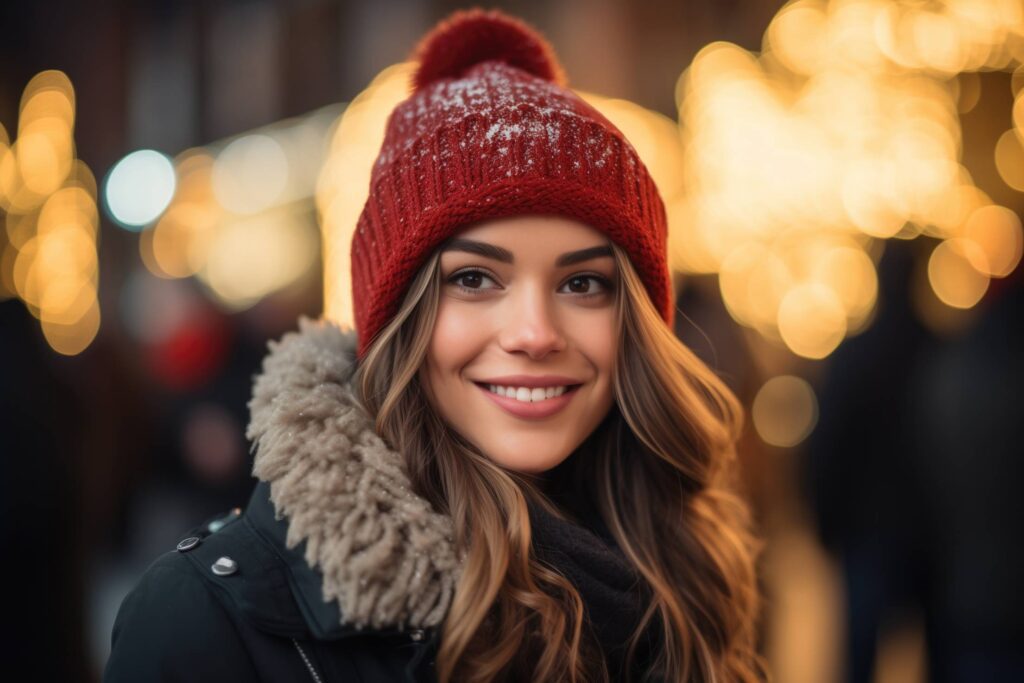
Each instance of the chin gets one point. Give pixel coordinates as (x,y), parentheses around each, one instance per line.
(533,454)
(528,466)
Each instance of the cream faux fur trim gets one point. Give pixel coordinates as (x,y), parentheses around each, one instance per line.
(386,556)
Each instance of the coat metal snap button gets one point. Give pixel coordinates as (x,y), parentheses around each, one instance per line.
(188,543)
(224,566)
(416,634)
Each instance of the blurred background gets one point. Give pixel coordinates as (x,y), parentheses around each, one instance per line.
(845,185)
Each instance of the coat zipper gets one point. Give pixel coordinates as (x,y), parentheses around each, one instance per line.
(308,662)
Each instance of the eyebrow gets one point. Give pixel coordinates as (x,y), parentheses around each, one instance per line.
(505,256)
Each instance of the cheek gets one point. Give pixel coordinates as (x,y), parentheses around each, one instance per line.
(597,338)
(454,342)
(452,324)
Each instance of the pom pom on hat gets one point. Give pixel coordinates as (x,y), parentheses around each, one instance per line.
(470,37)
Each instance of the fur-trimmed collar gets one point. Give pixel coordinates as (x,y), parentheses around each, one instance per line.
(385,555)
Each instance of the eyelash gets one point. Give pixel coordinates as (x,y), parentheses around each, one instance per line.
(602,280)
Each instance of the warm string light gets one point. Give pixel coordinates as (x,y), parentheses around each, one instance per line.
(48,197)
(843,132)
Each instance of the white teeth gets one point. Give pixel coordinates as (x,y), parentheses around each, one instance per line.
(526,394)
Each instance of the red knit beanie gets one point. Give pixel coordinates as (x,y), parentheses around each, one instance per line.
(492,131)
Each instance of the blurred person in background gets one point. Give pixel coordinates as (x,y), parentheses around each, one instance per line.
(859,482)
(512,469)
(923,509)
(967,419)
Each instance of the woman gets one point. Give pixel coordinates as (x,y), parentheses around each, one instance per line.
(512,470)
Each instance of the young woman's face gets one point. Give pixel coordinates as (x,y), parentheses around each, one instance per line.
(527,310)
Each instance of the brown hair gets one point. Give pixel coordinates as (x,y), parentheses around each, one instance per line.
(513,618)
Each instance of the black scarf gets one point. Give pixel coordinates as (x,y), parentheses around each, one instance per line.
(584,551)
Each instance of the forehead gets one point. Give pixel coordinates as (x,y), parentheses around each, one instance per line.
(535,234)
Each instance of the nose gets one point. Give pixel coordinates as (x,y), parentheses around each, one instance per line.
(531,325)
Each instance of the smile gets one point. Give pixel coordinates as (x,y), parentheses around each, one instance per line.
(530,403)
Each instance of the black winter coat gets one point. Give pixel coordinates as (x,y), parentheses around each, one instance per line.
(266,621)
(336,570)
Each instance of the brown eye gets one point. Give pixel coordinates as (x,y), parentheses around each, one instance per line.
(586,285)
(471,280)
(474,281)
(580,285)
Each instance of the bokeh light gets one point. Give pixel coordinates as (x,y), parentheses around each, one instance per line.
(139,188)
(241,219)
(254,256)
(49,259)
(812,321)
(785,411)
(842,132)
(1009,155)
(997,231)
(250,174)
(953,274)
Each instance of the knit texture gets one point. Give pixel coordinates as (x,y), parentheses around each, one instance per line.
(385,555)
(489,132)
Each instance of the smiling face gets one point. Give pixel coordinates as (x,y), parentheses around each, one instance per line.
(521,356)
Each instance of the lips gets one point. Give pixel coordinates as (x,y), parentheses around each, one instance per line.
(535,410)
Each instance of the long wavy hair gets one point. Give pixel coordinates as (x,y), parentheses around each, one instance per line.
(670,506)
